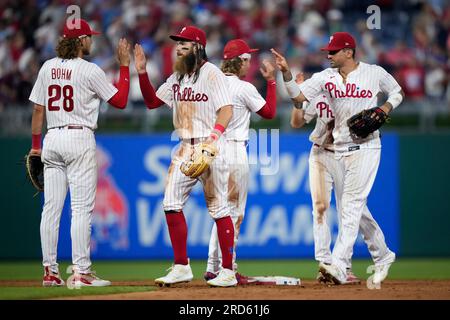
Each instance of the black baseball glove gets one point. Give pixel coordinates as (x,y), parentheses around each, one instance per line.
(35,170)
(367,121)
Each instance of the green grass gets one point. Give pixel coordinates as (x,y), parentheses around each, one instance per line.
(402,269)
(28,293)
(423,268)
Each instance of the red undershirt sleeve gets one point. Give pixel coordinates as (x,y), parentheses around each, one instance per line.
(269,110)
(120,99)
(149,94)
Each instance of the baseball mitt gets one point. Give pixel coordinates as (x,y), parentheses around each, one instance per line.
(35,170)
(367,121)
(201,159)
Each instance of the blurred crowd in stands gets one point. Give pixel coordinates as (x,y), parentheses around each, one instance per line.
(413,42)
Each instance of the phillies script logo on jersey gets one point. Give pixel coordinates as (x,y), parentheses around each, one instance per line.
(187,95)
(324,110)
(351,91)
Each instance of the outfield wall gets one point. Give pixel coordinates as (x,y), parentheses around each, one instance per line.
(128,221)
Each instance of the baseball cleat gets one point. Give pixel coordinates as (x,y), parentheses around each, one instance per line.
(381,273)
(178,273)
(78,280)
(322,278)
(209,275)
(333,273)
(351,278)
(51,279)
(241,279)
(225,278)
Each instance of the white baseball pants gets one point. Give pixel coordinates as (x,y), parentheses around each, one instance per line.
(237,198)
(69,162)
(324,173)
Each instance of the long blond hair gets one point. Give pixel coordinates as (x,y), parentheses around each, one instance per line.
(232,66)
(68,48)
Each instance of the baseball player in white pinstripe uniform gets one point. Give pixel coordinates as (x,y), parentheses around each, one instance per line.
(246,99)
(199,96)
(67,93)
(324,174)
(350,87)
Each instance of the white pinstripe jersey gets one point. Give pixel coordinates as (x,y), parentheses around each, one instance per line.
(319,108)
(246,99)
(357,94)
(70,90)
(195,105)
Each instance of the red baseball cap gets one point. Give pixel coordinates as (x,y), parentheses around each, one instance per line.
(235,48)
(340,40)
(77,28)
(191,33)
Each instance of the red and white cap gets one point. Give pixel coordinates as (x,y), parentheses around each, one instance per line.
(340,40)
(191,33)
(235,48)
(76,28)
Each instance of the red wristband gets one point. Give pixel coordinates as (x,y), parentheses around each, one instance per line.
(36,141)
(214,136)
(219,128)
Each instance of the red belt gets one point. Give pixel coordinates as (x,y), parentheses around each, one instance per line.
(329,150)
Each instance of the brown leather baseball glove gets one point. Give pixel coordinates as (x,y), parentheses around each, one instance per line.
(367,121)
(35,170)
(201,159)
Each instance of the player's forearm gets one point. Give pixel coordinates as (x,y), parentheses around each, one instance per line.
(37,121)
(148,92)
(120,99)
(224,116)
(223,119)
(293,90)
(393,101)
(287,76)
(269,110)
(386,107)
(297,118)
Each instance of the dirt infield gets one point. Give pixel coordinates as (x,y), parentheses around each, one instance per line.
(309,290)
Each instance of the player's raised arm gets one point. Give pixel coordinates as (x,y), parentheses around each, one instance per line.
(291,86)
(119,100)
(298,113)
(269,110)
(148,92)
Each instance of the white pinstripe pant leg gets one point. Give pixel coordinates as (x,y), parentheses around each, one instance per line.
(338,173)
(55,191)
(320,182)
(360,169)
(374,238)
(368,227)
(82,177)
(237,198)
(215,184)
(178,186)
(214,254)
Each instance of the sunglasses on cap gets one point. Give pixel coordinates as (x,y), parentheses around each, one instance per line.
(245,56)
(332,53)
